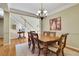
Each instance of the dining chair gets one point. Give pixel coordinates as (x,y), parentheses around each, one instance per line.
(63,42)
(29,39)
(59,48)
(37,43)
(46,33)
(52,34)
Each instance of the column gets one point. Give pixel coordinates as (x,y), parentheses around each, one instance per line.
(7,27)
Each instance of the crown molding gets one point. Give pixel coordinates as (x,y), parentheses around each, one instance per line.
(63,8)
(20,12)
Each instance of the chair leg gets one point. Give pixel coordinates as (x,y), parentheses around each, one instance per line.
(39,52)
(45,51)
(58,52)
(63,52)
(33,49)
(29,45)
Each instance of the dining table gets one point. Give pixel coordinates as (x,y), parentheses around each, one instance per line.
(49,38)
(47,41)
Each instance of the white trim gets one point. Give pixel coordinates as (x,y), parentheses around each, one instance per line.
(63,8)
(72,48)
(20,12)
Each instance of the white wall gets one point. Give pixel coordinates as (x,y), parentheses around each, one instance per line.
(19,21)
(16,20)
(69,22)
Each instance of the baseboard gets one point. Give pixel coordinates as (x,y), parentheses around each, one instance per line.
(72,48)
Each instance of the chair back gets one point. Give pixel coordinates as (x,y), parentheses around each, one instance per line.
(29,36)
(46,33)
(29,39)
(52,34)
(35,38)
(62,41)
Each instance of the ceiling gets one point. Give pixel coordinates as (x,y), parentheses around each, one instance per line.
(34,7)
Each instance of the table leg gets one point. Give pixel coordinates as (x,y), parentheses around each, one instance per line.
(19,36)
(45,50)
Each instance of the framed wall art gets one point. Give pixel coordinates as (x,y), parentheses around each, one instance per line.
(14,26)
(55,23)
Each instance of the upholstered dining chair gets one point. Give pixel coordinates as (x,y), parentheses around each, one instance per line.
(59,48)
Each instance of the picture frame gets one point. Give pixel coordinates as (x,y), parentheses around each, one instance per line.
(55,23)
(14,26)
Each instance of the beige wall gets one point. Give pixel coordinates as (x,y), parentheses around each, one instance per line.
(1,27)
(70,24)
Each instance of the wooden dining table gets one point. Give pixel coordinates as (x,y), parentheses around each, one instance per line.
(48,40)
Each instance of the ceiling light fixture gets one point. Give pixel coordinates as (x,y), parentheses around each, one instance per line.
(42,13)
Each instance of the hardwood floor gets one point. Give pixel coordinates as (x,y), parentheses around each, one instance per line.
(10,50)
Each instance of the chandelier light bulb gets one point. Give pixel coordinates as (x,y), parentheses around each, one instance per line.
(39,11)
(42,13)
(45,11)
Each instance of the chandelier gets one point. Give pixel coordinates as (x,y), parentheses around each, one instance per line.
(42,13)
